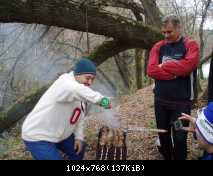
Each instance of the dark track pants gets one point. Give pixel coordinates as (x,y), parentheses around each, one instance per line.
(173,143)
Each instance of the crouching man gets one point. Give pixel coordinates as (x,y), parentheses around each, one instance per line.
(55,125)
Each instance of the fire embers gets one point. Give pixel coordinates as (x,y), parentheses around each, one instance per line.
(111,144)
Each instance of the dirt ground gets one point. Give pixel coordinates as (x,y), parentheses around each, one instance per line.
(136,109)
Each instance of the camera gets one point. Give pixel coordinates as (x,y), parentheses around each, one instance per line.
(178,124)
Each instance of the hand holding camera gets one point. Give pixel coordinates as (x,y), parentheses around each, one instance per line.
(187,117)
(178,125)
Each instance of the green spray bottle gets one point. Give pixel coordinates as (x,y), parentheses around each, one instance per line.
(105,102)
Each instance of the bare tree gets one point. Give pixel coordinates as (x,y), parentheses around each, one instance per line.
(205,7)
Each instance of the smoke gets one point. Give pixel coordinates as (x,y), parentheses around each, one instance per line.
(109,118)
(106,117)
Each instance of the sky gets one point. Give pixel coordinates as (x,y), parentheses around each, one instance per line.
(208,24)
(205,69)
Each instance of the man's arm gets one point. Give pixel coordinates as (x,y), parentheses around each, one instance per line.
(79,130)
(154,70)
(80,92)
(83,92)
(185,65)
(79,136)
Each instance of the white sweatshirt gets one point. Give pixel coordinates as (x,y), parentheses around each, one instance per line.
(55,116)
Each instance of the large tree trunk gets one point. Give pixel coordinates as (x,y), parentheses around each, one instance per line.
(72,15)
(123,70)
(151,12)
(139,67)
(153,18)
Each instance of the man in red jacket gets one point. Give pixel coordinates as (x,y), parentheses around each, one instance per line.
(172,63)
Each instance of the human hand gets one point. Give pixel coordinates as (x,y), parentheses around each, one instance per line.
(77,146)
(187,117)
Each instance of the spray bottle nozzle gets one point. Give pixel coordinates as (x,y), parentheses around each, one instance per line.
(105,102)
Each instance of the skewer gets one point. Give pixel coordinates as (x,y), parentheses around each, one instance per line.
(106,155)
(102,151)
(121,153)
(136,128)
(115,153)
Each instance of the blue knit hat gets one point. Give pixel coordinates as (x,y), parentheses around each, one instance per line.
(85,66)
(204,123)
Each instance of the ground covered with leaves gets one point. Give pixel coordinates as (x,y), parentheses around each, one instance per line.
(136,109)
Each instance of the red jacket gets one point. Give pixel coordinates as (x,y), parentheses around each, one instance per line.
(171,69)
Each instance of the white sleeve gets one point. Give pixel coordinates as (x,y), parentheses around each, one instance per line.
(85,93)
(80,92)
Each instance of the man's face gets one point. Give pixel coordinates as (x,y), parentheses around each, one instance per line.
(170,32)
(86,79)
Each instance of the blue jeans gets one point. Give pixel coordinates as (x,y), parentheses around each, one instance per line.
(43,150)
